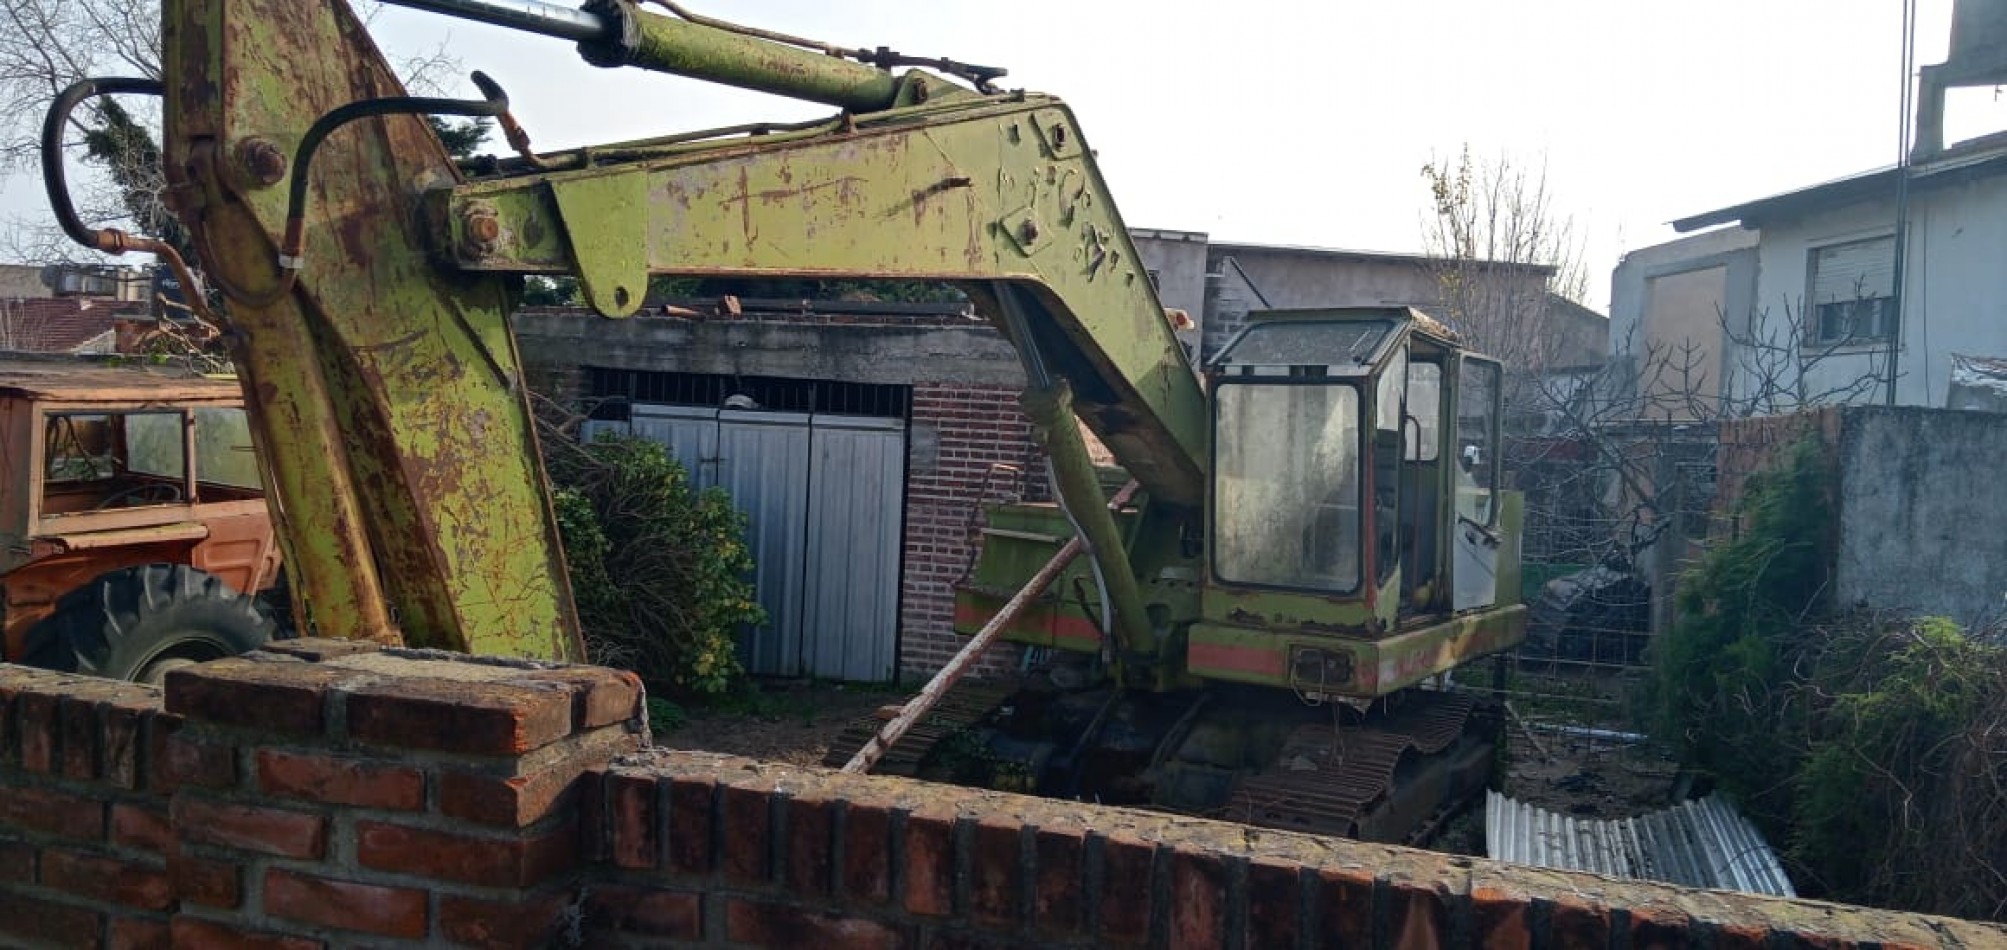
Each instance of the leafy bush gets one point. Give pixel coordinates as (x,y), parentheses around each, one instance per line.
(661,572)
(1713,692)
(1896,795)
(1863,745)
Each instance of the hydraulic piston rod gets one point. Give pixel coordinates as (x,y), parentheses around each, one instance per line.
(617,33)
(530,16)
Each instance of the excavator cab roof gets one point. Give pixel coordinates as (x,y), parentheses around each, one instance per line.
(1346,341)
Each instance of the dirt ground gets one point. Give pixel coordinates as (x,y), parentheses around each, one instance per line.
(1581,776)
(784,722)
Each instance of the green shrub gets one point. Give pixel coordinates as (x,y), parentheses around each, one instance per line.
(661,572)
(1865,746)
(1896,800)
(1714,691)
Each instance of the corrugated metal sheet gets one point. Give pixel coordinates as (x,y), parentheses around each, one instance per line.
(823,496)
(762,461)
(1704,843)
(857,488)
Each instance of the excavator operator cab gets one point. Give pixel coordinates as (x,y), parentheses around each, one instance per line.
(1354,475)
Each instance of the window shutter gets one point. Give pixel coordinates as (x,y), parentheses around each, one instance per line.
(1860,270)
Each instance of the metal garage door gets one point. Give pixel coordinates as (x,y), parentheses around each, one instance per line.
(823,495)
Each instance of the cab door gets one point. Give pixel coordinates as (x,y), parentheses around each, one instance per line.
(1474,537)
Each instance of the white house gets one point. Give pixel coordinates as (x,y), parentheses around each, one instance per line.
(1805,297)
(1822,317)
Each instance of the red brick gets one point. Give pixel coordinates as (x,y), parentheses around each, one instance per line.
(746,824)
(35,919)
(782,925)
(36,722)
(1274,899)
(1419,912)
(1056,892)
(316,649)
(1658,928)
(106,879)
(536,921)
(57,813)
(1126,865)
(1502,919)
(1577,924)
(122,724)
(647,913)
(268,695)
(340,781)
(810,824)
(867,851)
(511,801)
(994,871)
(141,826)
(286,834)
(346,905)
(491,862)
(202,881)
(192,932)
(930,864)
(1199,899)
(1345,906)
(631,806)
(450,716)
(600,697)
(77,722)
(690,823)
(1731,936)
(131,933)
(178,760)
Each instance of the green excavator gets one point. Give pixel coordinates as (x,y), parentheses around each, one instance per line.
(1303,542)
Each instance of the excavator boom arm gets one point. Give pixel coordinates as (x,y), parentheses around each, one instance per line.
(981,191)
(369,283)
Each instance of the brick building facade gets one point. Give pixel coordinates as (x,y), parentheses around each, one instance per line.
(968,444)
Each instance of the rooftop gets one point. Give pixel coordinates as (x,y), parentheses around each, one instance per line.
(1978,158)
(72,379)
(1366,257)
(59,324)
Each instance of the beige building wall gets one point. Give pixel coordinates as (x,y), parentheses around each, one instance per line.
(1683,332)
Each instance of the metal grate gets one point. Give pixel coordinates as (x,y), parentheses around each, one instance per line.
(613,390)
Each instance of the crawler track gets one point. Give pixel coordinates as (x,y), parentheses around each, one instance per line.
(1328,779)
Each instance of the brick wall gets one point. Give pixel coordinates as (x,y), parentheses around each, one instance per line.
(329,795)
(984,454)
(322,793)
(1748,446)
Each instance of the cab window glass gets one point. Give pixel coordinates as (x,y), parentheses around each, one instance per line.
(223,453)
(1477,441)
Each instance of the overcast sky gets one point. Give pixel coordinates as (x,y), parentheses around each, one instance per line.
(1271,121)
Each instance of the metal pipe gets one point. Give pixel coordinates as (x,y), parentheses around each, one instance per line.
(1058,429)
(565,23)
(613,33)
(966,658)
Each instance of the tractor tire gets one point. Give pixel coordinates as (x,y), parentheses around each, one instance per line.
(137,623)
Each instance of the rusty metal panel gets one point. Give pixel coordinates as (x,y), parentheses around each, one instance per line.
(856,495)
(762,461)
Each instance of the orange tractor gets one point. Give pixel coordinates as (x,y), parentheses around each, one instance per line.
(133,529)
